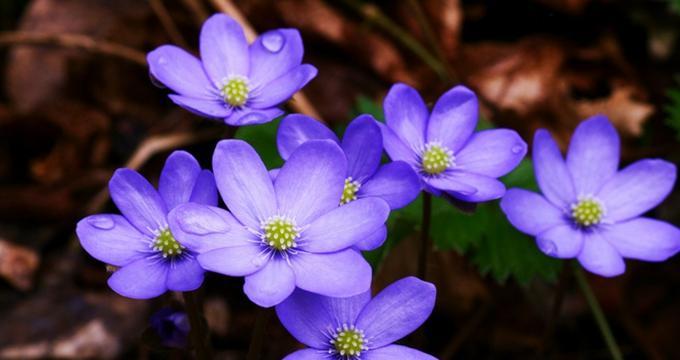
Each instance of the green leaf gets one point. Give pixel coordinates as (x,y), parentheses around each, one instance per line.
(366,105)
(263,139)
(673,110)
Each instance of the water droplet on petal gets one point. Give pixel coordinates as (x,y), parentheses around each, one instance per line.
(548,247)
(273,41)
(102,222)
(517,149)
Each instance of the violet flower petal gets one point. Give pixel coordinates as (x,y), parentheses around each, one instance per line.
(563,241)
(453,118)
(308,316)
(310,183)
(271,285)
(210,108)
(243,182)
(308,354)
(362,144)
(273,54)
(202,228)
(487,188)
(224,49)
(205,190)
(644,239)
(395,182)
(551,171)
(396,148)
(282,88)
(396,352)
(373,241)
(180,71)
(636,189)
(340,274)
(238,260)
(249,116)
(296,129)
(138,201)
(178,178)
(111,239)
(184,274)
(397,311)
(492,153)
(593,156)
(343,226)
(406,115)
(600,257)
(142,279)
(529,212)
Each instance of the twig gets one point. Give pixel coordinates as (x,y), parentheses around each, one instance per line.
(199,12)
(372,14)
(168,23)
(430,36)
(74,41)
(300,103)
(596,310)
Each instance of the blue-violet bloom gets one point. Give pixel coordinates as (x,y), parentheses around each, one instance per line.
(285,233)
(442,147)
(152,259)
(172,327)
(589,210)
(239,83)
(358,327)
(396,182)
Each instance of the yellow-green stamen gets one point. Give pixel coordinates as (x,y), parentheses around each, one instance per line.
(348,341)
(235,91)
(166,244)
(436,158)
(280,233)
(587,212)
(349,193)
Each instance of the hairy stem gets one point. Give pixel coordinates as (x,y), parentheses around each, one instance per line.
(597,313)
(198,334)
(425,236)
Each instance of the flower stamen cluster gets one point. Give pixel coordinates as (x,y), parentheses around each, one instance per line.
(235,91)
(587,212)
(280,233)
(348,342)
(349,192)
(436,158)
(166,244)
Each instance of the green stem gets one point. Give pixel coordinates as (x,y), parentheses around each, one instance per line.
(258,336)
(372,14)
(425,236)
(597,313)
(198,333)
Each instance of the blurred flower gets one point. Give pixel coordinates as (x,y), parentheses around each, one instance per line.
(241,84)
(591,211)
(358,327)
(172,327)
(396,182)
(442,148)
(286,233)
(152,259)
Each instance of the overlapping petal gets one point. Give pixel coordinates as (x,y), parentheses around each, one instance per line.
(362,144)
(143,279)
(248,116)
(396,352)
(644,239)
(185,274)
(112,239)
(180,71)
(529,212)
(406,115)
(310,183)
(599,256)
(396,148)
(205,189)
(243,182)
(551,171)
(563,241)
(139,202)
(283,87)
(296,129)
(492,153)
(224,49)
(178,178)
(214,108)
(486,188)
(340,274)
(271,285)
(396,183)
(203,228)
(273,54)
(372,241)
(238,260)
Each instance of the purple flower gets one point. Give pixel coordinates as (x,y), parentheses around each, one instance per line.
(358,327)
(172,327)
(241,84)
(152,259)
(442,148)
(286,233)
(591,211)
(396,182)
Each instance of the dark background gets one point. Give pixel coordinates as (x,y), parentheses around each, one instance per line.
(76,102)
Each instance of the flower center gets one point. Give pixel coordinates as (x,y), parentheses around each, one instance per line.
(436,158)
(280,232)
(166,244)
(235,91)
(587,211)
(349,193)
(348,341)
